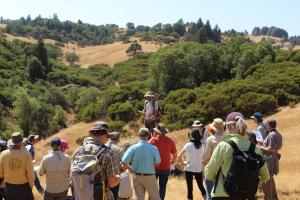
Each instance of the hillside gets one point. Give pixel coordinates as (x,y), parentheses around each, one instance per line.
(276,42)
(289,165)
(109,54)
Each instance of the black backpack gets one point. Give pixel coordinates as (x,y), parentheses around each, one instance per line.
(242,180)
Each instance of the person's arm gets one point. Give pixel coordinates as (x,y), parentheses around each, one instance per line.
(1,167)
(180,155)
(208,150)
(42,170)
(173,152)
(113,171)
(268,149)
(174,158)
(215,162)
(29,170)
(271,145)
(157,159)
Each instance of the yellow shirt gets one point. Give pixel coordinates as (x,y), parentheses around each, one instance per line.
(16,166)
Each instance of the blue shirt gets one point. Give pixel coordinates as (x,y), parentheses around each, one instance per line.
(142,157)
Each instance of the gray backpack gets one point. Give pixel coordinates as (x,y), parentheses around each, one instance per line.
(87,181)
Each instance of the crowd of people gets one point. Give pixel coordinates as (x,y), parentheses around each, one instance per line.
(100,169)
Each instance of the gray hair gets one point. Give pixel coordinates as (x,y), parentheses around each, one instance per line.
(241,126)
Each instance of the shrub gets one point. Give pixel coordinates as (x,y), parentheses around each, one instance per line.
(252,102)
(121,111)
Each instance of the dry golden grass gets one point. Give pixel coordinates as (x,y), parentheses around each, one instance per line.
(2,26)
(288,181)
(109,54)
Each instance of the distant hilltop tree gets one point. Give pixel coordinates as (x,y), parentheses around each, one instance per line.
(72,58)
(272,31)
(134,48)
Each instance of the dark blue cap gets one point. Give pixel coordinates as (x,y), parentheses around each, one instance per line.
(55,142)
(272,123)
(257,116)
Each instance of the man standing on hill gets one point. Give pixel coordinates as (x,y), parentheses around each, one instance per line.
(56,165)
(16,169)
(166,148)
(270,147)
(150,110)
(143,157)
(261,131)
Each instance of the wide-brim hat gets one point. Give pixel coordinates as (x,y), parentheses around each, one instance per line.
(197,123)
(217,125)
(16,138)
(149,94)
(161,129)
(115,135)
(100,126)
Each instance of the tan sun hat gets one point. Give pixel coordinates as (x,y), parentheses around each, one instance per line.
(217,125)
(161,129)
(149,94)
(16,138)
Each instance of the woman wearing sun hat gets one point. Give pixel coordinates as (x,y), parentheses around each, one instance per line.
(217,129)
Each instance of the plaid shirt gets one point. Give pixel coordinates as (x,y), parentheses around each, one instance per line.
(108,161)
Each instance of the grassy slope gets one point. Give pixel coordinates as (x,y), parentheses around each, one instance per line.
(289,165)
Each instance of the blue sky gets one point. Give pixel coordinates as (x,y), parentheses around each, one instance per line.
(238,14)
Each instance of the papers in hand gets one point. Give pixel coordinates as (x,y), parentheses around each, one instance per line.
(37,168)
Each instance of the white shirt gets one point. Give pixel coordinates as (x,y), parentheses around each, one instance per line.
(193,157)
(149,109)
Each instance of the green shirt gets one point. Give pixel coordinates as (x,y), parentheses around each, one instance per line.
(222,157)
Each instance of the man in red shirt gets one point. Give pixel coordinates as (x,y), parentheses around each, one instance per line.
(168,155)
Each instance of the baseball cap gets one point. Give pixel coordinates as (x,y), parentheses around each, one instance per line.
(64,144)
(272,123)
(55,142)
(257,116)
(143,132)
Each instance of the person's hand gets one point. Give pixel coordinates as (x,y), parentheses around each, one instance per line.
(172,167)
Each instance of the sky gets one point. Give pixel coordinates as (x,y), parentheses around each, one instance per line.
(240,15)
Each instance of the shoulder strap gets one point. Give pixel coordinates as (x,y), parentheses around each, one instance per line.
(233,145)
(252,147)
(99,152)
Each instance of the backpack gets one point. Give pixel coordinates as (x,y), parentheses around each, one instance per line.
(87,180)
(125,189)
(242,179)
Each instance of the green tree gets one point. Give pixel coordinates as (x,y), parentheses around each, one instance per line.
(40,52)
(72,58)
(35,70)
(134,48)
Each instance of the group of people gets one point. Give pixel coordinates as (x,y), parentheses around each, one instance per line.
(100,167)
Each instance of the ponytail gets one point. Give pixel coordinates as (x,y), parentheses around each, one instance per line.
(241,126)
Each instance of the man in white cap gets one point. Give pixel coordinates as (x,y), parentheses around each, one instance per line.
(16,168)
(150,110)
(143,169)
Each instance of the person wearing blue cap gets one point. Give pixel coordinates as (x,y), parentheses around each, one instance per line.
(270,148)
(261,130)
(56,166)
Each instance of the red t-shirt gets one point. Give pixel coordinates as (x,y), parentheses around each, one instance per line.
(166,147)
